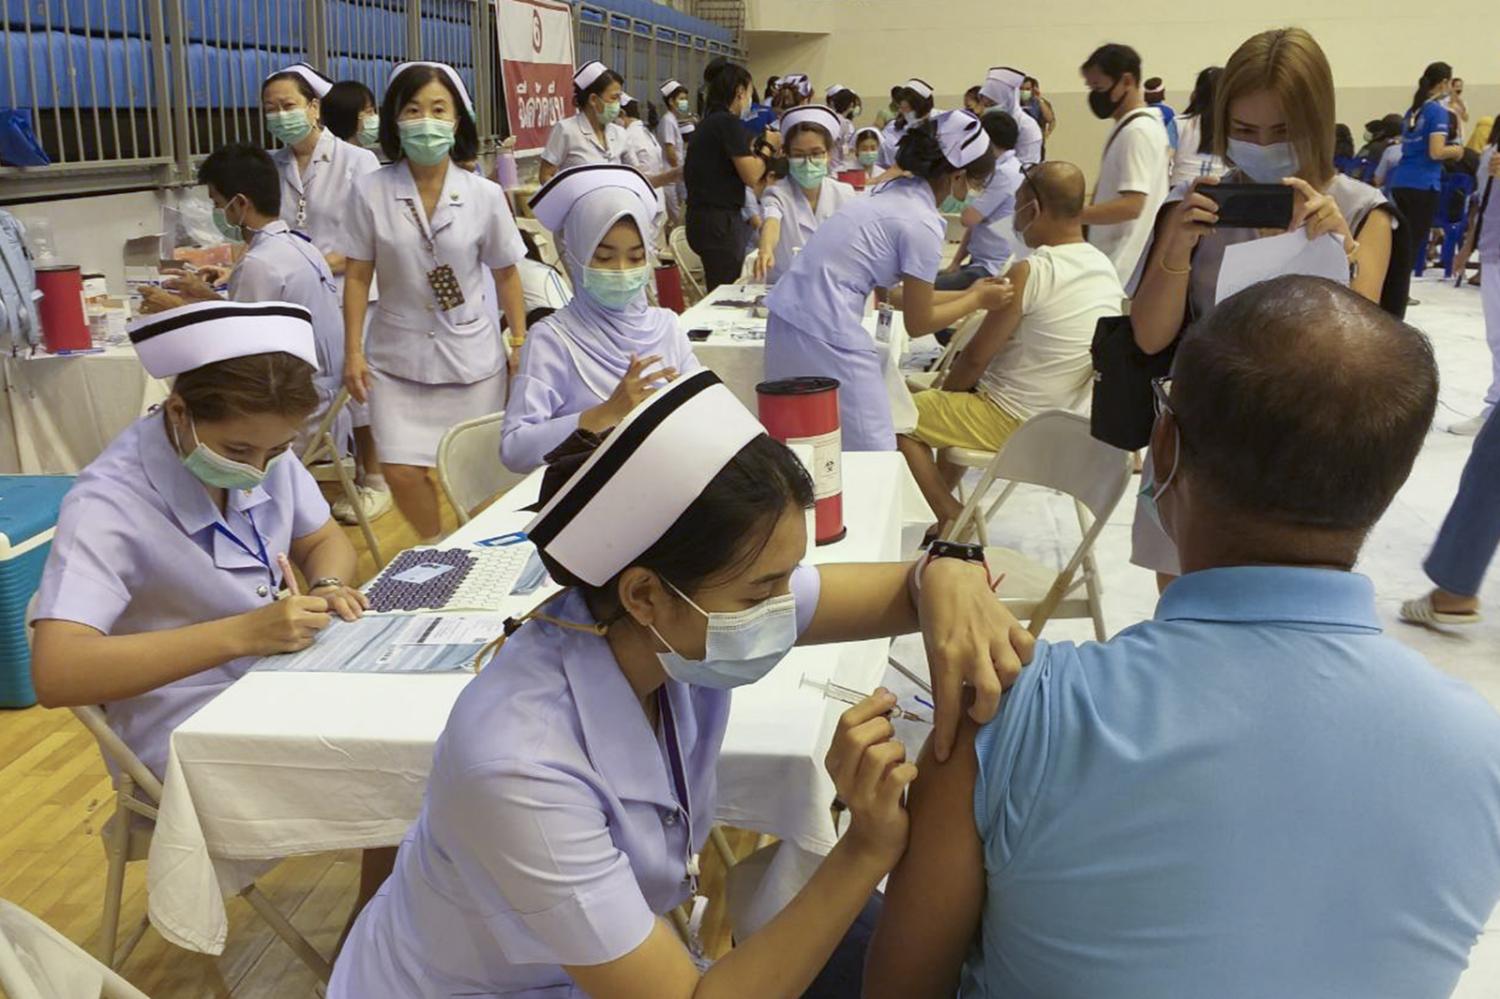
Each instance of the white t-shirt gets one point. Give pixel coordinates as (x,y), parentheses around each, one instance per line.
(1187,163)
(1046,364)
(1137,160)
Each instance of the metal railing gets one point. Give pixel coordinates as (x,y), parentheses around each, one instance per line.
(125,94)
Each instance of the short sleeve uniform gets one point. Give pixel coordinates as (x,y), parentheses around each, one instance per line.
(472,232)
(786,202)
(553,839)
(1135,161)
(1417,169)
(989,243)
(314,202)
(141,547)
(573,142)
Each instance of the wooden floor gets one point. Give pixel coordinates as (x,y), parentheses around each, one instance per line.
(54,796)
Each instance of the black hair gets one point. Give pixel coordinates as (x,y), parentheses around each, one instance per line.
(1114,61)
(1031,80)
(402,89)
(771,82)
(1435,73)
(241,168)
(808,126)
(921,106)
(720,532)
(1001,128)
(1343,140)
(536,315)
(843,101)
(1154,84)
(1495,132)
(343,105)
(972,94)
(722,79)
(581,95)
(1202,105)
(1300,402)
(920,154)
(303,87)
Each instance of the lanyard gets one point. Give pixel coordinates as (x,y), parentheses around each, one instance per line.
(259,554)
(416,217)
(679,777)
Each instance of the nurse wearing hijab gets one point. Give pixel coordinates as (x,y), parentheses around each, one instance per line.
(575,782)
(161,586)
(892,239)
(1002,90)
(588,364)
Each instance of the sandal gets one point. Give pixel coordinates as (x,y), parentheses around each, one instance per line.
(1420,611)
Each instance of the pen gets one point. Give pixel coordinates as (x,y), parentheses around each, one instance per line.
(288,578)
(76,353)
(838,692)
(926,686)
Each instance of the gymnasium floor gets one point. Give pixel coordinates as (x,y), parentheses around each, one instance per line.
(54,792)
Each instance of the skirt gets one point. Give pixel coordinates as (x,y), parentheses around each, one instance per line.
(865,419)
(410,418)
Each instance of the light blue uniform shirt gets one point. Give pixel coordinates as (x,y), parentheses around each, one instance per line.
(988,246)
(550,833)
(1256,794)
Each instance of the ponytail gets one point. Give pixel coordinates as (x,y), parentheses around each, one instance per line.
(1434,74)
(721,81)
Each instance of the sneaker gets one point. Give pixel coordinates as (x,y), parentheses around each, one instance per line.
(1469,427)
(374,502)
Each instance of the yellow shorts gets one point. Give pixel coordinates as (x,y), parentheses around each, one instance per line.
(962,419)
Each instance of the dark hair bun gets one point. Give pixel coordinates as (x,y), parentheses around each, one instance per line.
(919,152)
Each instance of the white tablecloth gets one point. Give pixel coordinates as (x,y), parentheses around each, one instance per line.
(735,350)
(292,763)
(60,412)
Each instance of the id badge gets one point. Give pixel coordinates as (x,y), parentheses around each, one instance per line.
(445,287)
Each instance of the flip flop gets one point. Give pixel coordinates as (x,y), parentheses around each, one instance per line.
(1420,611)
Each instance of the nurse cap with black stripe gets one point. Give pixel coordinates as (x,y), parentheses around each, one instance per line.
(961,137)
(191,336)
(649,470)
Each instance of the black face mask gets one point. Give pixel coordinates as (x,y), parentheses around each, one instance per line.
(1102,104)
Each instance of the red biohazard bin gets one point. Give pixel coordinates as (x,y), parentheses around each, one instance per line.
(669,288)
(64,326)
(855,178)
(806,411)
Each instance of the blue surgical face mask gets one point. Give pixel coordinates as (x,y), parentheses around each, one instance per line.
(615,289)
(213,469)
(1151,492)
(740,648)
(1264,164)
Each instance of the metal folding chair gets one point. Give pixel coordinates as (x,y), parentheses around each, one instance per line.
(37,961)
(323,460)
(468,465)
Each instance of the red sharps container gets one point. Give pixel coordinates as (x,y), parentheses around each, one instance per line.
(806,411)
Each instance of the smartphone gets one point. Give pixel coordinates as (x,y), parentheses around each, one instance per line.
(1251,206)
(700,334)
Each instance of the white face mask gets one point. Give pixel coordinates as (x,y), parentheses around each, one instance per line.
(741,647)
(1264,164)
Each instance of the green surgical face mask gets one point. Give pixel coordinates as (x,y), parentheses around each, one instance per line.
(369,131)
(610,113)
(291,127)
(807,171)
(426,141)
(615,289)
(213,469)
(229,230)
(683,106)
(869,159)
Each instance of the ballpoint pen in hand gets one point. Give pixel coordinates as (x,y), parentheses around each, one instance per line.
(847,695)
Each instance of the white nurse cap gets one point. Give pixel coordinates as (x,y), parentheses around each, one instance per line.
(588,73)
(962,137)
(552,203)
(834,91)
(446,70)
(919,87)
(191,336)
(1000,83)
(319,83)
(811,114)
(645,475)
(669,88)
(873,133)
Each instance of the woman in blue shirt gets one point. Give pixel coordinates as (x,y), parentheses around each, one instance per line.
(1418,178)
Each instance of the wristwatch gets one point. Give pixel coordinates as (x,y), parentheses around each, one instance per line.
(954,549)
(326,581)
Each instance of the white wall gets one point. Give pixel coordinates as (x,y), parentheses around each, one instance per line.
(1377,48)
(91,232)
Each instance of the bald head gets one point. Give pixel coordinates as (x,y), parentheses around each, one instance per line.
(1059,186)
(1300,403)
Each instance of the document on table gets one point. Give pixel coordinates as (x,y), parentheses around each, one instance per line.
(1273,256)
(389,643)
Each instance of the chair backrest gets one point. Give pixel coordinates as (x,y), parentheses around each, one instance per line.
(1055,450)
(962,334)
(37,961)
(688,262)
(316,444)
(545,244)
(468,464)
(114,751)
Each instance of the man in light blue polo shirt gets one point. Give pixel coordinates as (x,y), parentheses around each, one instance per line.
(1255,794)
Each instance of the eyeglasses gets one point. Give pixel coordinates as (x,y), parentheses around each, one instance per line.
(1161,395)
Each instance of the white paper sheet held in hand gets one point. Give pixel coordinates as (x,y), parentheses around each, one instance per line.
(1274,256)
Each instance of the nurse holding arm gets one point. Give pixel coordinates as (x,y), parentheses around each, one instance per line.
(161,586)
(575,782)
(435,234)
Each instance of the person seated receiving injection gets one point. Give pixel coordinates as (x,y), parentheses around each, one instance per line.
(1030,356)
(589,363)
(1257,793)
(575,781)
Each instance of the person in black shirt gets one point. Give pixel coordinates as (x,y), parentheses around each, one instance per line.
(720,165)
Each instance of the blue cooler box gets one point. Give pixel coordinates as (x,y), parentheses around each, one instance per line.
(28,519)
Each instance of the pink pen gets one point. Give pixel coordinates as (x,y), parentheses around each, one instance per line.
(288,578)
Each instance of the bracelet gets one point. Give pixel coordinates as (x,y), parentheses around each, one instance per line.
(1162,260)
(326,581)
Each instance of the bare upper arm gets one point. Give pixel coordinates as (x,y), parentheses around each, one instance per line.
(1374,256)
(1436,141)
(752,169)
(999,325)
(660,968)
(935,896)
